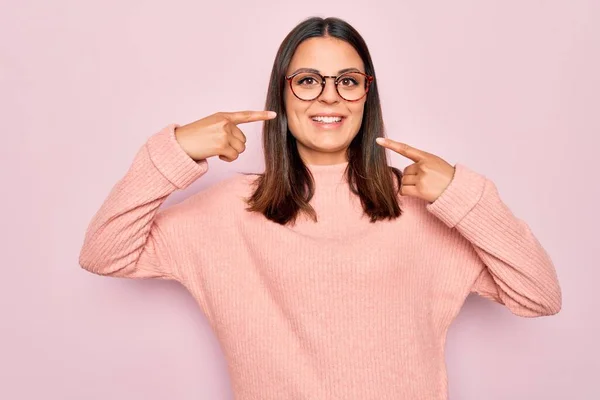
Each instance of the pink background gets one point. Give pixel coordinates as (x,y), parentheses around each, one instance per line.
(509,88)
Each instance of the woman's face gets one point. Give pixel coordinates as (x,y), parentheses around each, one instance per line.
(320,142)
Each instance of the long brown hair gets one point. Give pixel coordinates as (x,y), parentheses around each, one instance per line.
(287,186)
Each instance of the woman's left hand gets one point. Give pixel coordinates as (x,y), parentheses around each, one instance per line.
(427,178)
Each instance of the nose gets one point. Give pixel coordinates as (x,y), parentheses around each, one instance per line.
(329,94)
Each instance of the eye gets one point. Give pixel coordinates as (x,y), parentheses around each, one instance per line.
(307,81)
(346,81)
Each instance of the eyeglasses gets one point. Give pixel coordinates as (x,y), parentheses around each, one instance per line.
(351,86)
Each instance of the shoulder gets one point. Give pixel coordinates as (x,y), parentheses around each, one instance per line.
(435,223)
(214,203)
(228,190)
(417,216)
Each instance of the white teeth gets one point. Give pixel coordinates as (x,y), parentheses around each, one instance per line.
(327,120)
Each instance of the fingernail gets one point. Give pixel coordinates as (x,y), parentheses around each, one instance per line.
(380,140)
(272,114)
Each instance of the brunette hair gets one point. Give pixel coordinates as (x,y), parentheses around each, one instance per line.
(287,186)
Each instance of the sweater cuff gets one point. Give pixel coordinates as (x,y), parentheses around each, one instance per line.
(172,161)
(461,195)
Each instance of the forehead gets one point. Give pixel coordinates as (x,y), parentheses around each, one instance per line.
(326,54)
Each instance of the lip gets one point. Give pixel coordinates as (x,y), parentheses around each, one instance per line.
(327,115)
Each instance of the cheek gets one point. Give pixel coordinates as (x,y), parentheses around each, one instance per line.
(287,97)
(294,110)
(357,111)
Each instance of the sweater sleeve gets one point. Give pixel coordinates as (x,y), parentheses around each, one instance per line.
(516,270)
(124,238)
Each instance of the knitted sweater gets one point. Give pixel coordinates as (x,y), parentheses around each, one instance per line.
(341,308)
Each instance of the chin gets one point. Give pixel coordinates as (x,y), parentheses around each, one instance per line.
(328,145)
(326,141)
(321,149)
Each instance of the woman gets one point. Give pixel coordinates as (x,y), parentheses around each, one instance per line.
(331,275)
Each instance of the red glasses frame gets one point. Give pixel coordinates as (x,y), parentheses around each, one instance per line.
(324,82)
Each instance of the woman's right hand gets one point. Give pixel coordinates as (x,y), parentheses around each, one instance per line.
(218,134)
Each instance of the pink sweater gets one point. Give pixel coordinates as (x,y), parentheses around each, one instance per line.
(339,309)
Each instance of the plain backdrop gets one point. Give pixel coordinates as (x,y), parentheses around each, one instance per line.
(509,88)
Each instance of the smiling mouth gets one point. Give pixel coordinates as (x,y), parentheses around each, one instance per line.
(327,120)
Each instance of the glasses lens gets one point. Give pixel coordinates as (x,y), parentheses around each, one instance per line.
(352,86)
(307,86)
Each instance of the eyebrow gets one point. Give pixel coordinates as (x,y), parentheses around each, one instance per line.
(316,71)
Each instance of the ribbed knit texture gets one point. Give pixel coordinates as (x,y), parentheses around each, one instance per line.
(338,309)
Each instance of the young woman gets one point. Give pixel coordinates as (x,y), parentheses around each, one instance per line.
(331,275)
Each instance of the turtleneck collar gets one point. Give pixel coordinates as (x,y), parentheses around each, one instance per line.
(325,174)
(338,210)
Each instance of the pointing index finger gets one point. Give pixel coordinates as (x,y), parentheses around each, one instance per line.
(242,117)
(403,149)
